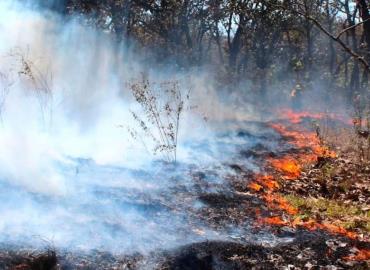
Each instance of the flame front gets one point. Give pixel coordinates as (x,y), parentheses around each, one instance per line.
(289,167)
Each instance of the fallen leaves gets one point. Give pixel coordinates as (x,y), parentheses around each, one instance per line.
(309,150)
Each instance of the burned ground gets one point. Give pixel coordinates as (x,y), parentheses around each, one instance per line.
(262,230)
(309,250)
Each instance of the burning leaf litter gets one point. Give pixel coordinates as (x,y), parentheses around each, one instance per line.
(64,179)
(290,168)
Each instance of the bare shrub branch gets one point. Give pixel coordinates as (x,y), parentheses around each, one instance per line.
(162,105)
(41,81)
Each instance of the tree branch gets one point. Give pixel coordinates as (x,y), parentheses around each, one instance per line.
(337,39)
(351,27)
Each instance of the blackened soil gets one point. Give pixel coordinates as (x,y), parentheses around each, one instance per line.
(307,252)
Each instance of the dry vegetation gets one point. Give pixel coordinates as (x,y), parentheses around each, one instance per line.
(162,105)
(39,81)
(337,190)
(274,45)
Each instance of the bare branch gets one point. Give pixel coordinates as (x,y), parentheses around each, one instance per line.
(337,39)
(350,28)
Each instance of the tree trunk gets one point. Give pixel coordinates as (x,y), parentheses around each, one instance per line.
(365,16)
(355,77)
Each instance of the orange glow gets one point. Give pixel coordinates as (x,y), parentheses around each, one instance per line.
(274,221)
(310,148)
(362,255)
(297,117)
(267,181)
(338,230)
(255,186)
(277,202)
(305,139)
(289,167)
(313,225)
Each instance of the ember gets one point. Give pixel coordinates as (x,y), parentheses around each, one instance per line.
(255,186)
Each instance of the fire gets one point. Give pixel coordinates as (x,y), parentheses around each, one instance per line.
(274,221)
(268,182)
(310,224)
(255,186)
(305,140)
(362,255)
(278,202)
(301,139)
(324,151)
(313,225)
(297,117)
(288,166)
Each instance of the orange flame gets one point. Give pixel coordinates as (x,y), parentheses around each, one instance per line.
(289,167)
(278,202)
(255,186)
(267,181)
(297,117)
(313,225)
(362,255)
(274,221)
(304,139)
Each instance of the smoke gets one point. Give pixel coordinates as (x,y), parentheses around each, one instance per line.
(70,173)
(81,114)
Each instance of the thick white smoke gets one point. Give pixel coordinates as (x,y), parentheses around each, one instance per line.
(69,170)
(81,115)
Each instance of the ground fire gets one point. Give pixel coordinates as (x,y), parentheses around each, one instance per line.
(184,135)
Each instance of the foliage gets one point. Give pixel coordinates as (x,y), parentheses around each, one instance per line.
(275,42)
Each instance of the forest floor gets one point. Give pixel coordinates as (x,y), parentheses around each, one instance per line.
(314,190)
(335,190)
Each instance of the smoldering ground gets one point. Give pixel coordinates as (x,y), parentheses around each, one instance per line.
(71,174)
(73,178)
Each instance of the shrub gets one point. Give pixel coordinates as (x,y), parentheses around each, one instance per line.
(162,105)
